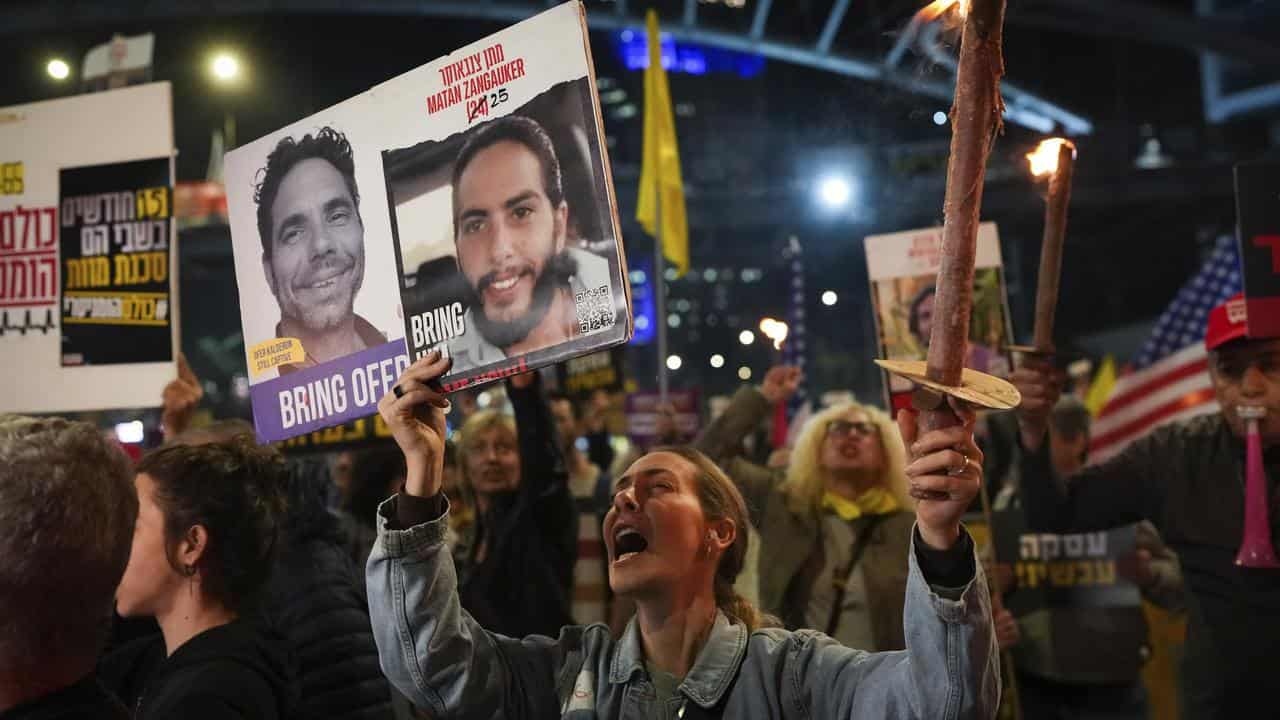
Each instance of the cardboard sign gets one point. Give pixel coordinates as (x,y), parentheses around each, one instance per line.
(588,373)
(116,233)
(903,268)
(464,206)
(86,251)
(1258,232)
(1093,569)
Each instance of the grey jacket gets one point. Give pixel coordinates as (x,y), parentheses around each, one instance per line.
(444,662)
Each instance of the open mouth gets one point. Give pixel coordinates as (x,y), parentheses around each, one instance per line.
(627,543)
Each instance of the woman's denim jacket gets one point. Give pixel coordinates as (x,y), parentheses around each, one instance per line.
(448,665)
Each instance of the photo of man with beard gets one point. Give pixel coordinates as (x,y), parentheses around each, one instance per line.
(313,246)
(527,288)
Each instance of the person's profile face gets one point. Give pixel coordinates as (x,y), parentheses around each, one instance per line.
(655,529)
(507,229)
(317,246)
(148,578)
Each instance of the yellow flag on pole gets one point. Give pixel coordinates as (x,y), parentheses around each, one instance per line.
(1104,382)
(661,187)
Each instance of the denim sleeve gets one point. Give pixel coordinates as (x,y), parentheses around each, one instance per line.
(949,670)
(431,649)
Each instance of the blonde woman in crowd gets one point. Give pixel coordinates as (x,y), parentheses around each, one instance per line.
(835,524)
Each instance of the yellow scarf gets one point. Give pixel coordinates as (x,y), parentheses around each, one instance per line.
(876,501)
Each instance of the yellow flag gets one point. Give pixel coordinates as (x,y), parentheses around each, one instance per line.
(661,188)
(1104,382)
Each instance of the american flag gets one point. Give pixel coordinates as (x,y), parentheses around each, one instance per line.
(1170,378)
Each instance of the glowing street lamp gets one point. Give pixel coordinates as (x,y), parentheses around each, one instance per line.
(58,69)
(834,191)
(225,67)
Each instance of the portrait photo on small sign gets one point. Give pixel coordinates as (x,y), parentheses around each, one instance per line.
(903,269)
(505,237)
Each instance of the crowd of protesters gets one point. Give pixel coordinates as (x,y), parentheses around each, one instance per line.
(519,561)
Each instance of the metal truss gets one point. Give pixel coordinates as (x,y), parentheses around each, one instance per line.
(1023,108)
(1220,105)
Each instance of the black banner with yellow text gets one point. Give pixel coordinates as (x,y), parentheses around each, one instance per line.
(1092,569)
(115,237)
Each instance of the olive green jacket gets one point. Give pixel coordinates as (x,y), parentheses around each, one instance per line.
(790,532)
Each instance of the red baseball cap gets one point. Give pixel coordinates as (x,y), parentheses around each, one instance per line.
(1227,322)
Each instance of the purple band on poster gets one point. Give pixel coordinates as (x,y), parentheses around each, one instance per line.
(326,395)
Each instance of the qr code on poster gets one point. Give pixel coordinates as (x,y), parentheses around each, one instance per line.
(595,309)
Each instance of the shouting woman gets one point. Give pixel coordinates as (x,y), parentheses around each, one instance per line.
(694,647)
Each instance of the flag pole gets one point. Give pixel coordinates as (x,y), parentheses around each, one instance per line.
(660,290)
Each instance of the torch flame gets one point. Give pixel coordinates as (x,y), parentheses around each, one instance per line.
(935,9)
(775,330)
(1044,160)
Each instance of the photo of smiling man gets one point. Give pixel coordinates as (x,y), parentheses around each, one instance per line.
(507,240)
(510,224)
(313,254)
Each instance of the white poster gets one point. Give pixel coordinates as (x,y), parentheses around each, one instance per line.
(87,262)
(465,205)
(903,269)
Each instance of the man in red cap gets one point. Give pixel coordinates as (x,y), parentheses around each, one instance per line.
(1188,479)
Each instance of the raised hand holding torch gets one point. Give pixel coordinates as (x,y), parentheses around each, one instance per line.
(976,120)
(945,389)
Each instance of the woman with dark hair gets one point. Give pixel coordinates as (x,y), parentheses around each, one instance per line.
(694,649)
(205,540)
